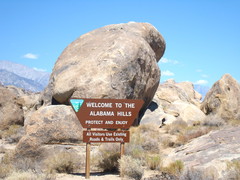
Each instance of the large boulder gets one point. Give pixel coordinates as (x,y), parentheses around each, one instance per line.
(10,111)
(49,124)
(223,99)
(116,61)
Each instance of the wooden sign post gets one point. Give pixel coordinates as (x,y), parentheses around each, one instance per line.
(115,114)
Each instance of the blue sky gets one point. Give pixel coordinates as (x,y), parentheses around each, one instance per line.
(202,37)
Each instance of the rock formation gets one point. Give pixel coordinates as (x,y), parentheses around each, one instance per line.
(49,124)
(10,111)
(116,61)
(186,111)
(171,91)
(174,101)
(223,99)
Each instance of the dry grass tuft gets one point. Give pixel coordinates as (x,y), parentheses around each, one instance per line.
(233,168)
(154,162)
(175,168)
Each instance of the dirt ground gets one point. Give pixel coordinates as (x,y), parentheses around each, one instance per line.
(101,176)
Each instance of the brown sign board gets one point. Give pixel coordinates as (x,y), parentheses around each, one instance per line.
(105,136)
(106,113)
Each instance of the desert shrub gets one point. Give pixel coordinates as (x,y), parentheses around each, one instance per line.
(29,175)
(213,121)
(63,162)
(167,142)
(130,167)
(233,169)
(144,138)
(154,162)
(22,164)
(6,166)
(135,151)
(13,134)
(176,127)
(175,168)
(187,135)
(109,154)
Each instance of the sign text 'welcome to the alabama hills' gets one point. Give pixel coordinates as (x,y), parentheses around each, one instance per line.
(106,113)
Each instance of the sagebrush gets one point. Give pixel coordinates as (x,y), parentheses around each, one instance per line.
(130,167)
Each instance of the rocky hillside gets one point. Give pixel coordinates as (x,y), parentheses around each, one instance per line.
(22,76)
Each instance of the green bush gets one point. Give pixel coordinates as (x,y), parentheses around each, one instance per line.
(130,167)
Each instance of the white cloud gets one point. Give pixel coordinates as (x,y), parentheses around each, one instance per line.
(204,75)
(201,82)
(30,56)
(199,70)
(167,73)
(38,69)
(165,60)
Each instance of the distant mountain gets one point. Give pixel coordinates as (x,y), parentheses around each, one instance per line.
(26,72)
(201,89)
(22,76)
(9,78)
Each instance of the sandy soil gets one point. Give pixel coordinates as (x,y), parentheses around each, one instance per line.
(94,176)
(102,176)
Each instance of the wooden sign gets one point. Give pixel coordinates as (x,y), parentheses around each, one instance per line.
(105,136)
(106,113)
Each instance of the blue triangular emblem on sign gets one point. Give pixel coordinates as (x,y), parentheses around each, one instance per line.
(76,104)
